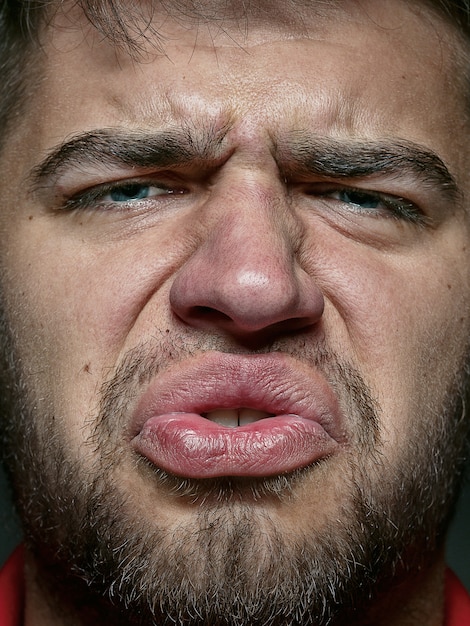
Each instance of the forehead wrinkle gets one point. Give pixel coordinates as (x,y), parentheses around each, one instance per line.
(165,107)
(233,13)
(142,32)
(138,24)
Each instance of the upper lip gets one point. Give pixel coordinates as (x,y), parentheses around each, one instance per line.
(272,382)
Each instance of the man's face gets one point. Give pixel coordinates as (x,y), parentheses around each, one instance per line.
(237,298)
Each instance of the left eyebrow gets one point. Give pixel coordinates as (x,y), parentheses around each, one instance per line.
(352,159)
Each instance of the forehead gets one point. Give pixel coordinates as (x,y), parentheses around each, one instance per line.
(363,69)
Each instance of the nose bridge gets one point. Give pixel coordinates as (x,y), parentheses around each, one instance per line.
(245,274)
(254,233)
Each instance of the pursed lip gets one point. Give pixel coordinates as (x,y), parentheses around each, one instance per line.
(168,426)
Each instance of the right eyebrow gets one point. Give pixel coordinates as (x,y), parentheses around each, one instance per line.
(108,147)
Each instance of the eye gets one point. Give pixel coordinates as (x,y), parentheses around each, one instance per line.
(361,199)
(134,191)
(371,203)
(121,195)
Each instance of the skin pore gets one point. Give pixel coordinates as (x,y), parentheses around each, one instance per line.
(257,200)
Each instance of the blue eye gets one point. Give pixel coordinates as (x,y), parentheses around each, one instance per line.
(362,199)
(132,191)
(371,203)
(122,195)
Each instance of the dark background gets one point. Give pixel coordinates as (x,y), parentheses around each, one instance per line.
(458,549)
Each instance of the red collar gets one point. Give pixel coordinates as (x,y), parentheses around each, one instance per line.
(12,590)
(457,611)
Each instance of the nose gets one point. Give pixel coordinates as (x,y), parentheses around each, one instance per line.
(245,277)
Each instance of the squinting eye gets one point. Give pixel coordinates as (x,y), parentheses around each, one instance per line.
(372,204)
(359,198)
(120,195)
(133,191)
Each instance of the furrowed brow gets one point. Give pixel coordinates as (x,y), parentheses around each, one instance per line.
(109,147)
(337,159)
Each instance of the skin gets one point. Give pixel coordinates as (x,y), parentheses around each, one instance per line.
(272,261)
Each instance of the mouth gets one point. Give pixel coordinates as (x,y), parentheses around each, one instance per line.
(222,415)
(233,418)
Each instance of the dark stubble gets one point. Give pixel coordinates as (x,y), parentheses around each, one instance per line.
(231,565)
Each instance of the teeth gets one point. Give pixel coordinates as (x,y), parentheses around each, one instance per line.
(224,417)
(248,416)
(235,417)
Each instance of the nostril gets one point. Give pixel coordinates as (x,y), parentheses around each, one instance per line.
(201,310)
(206,317)
(208,313)
(229,293)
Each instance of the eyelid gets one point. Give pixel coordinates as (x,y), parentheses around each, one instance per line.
(324,188)
(372,187)
(386,198)
(93,195)
(398,206)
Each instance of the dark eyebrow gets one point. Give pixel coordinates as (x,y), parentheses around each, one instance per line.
(298,154)
(107,147)
(352,159)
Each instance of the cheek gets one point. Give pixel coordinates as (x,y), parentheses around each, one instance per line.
(404,320)
(73,317)
(82,297)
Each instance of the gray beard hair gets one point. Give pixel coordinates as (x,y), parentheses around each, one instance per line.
(232,565)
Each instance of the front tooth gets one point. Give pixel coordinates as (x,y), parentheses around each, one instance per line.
(224,417)
(248,416)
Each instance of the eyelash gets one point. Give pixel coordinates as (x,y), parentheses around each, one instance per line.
(94,197)
(395,207)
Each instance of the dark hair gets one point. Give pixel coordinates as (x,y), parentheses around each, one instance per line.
(20,22)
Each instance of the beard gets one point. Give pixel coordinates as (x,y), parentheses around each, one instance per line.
(104,556)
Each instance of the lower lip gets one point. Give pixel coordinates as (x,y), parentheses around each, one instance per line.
(190,446)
